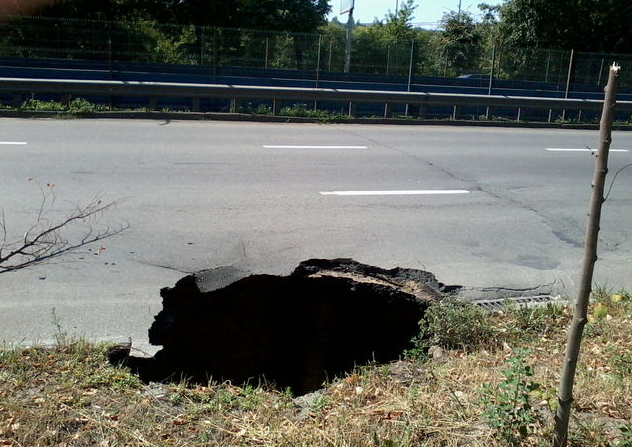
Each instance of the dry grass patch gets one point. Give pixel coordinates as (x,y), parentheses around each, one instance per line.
(70,396)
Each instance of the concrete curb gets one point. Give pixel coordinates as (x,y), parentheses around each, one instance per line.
(213,116)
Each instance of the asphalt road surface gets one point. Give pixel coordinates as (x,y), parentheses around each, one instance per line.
(501,211)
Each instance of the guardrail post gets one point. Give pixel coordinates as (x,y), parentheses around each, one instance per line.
(423,111)
(17,100)
(276,107)
(519,117)
(352,109)
(235,105)
(489,113)
(388,110)
(196,104)
(456,112)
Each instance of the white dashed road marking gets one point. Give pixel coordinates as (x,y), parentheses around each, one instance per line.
(16,143)
(424,192)
(561,149)
(314,147)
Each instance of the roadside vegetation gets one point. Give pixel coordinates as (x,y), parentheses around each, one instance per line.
(473,378)
(80,107)
(74,107)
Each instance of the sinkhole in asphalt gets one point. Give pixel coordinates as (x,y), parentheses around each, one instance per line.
(296,331)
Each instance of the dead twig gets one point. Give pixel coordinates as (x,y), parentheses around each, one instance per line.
(45,240)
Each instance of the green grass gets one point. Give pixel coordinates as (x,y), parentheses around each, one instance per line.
(77,106)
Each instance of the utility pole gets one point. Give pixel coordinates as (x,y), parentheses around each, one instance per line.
(348,43)
(459,8)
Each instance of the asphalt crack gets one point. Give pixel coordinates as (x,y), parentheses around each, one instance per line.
(547,221)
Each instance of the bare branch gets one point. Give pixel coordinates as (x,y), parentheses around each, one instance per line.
(45,240)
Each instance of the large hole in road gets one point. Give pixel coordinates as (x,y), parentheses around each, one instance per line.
(295,331)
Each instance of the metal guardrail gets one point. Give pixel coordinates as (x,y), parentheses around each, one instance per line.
(239,93)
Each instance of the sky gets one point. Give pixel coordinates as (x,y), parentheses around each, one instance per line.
(427,14)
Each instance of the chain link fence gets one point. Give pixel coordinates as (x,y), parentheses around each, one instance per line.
(306,55)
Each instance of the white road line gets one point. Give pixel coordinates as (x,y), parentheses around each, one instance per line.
(314,147)
(561,149)
(20,143)
(424,192)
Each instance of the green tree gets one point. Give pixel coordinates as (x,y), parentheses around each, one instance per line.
(299,16)
(334,36)
(275,15)
(584,25)
(384,46)
(460,42)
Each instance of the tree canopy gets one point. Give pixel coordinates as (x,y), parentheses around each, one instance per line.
(274,15)
(461,40)
(584,25)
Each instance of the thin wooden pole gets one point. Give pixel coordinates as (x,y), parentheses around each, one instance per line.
(580,315)
(410,69)
(571,62)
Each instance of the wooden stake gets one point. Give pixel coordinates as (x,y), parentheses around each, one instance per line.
(580,315)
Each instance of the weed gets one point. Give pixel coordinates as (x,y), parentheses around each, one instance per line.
(537,320)
(625,438)
(508,410)
(420,345)
(42,106)
(60,335)
(404,117)
(80,106)
(260,109)
(454,324)
(601,293)
(7,355)
(224,400)
(319,404)
(622,364)
(250,398)
(588,433)
(111,377)
(76,107)
(403,440)
(301,110)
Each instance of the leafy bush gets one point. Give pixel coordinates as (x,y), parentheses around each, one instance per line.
(80,106)
(43,106)
(456,324)
(77,106)
(301,110)
(507,407)
(453,324)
